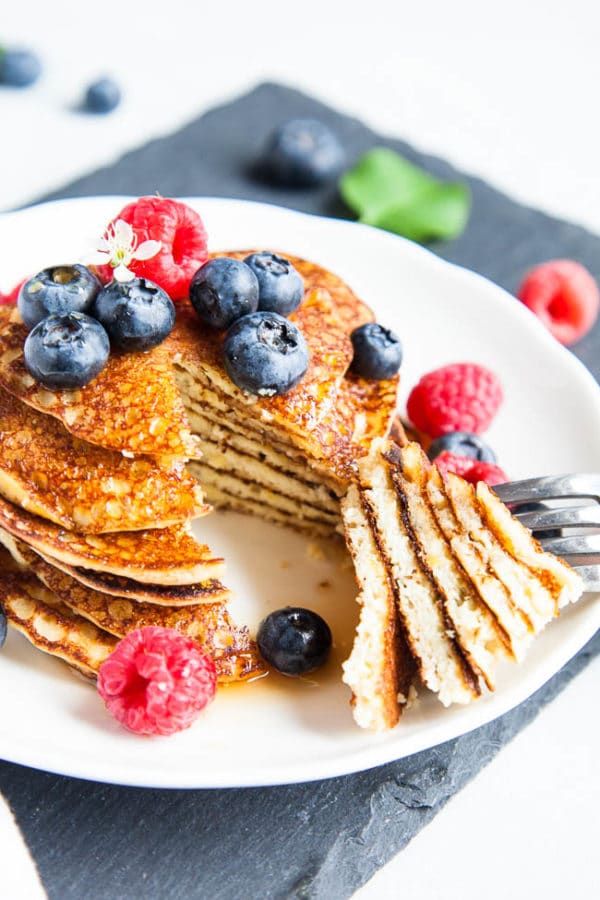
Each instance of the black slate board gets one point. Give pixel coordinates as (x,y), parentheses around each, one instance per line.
(318,840)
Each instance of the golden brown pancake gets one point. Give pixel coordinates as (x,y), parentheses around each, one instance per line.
(133,405)
(330,415)
(158,556)
(211,591)
(234,654)
(52,626)
(83,487)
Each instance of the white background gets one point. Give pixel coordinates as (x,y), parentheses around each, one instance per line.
(508,91)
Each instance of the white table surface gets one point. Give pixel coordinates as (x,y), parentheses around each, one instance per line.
(508,91)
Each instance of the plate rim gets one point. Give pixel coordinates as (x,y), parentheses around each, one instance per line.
(375,754)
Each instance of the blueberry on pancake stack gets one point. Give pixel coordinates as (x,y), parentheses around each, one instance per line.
(96,505)
(283,453)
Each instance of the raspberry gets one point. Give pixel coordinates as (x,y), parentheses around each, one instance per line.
(156,681)
(182,235)
(9,299)
(564,296)
(489,472)
(471,470)
(459,397)
(451,462)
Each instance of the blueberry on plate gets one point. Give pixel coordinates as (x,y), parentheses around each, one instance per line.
(3,628)
(57,291)
(302,153)
(19,68)
(530,507)
(377,352)
(462,443)
(265,354)
(66,352)
(280,286)
(137,314)
(224,290)
(102,96)
(294,640)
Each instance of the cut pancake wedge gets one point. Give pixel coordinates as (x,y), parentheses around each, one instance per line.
(380,668)
(467,594)
(561,580)
(429,632)
(477,630)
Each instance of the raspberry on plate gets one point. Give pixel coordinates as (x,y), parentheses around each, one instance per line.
(471,470)
(157,681)
(183,240)
(458,397)
(564,296)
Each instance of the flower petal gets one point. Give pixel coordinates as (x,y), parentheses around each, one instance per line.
(122,273)
(123,234)
(96,257)
(147,249)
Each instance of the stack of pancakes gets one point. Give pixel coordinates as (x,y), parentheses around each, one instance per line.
(95,510)
(287,458)
(450,583)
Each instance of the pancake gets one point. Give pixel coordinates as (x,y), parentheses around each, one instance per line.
(563,582)
(330,415)
(234,654)
(466,595)
(169,556)
(52,626)
(235,503)
(380,668)
(429,632)
(133,405)
(83,487)
(238,484)
(478,632)
(208,592)
(211,591)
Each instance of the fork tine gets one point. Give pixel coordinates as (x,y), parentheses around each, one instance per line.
(550,487)
(563,517)
(577,545)
(590,576)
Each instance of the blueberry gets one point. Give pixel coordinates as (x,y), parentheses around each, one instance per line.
(302,153)
(280,286)
(224,290)
(57,291)
(265,354)
(137,314)
(462,443)
(294,640)
(377,352)
(19,68)
(65,352)
(518,508)
(3,627)
(102,96)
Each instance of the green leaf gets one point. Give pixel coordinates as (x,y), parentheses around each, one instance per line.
(388,191)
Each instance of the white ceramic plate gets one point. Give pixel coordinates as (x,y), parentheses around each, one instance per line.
(281,730)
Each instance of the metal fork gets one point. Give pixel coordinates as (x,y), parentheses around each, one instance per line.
(582,551)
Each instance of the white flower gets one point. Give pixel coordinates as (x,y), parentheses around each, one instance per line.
(119,247)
